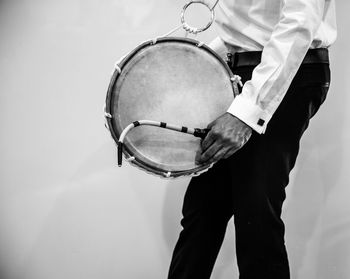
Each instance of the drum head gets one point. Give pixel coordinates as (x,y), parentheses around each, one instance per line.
(172,81)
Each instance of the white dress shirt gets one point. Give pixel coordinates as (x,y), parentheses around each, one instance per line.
(284,30)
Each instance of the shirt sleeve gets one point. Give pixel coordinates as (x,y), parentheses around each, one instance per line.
(281,58)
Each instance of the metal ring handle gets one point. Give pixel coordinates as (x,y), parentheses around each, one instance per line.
(191,29)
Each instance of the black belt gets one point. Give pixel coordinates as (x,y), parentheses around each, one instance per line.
(253,58)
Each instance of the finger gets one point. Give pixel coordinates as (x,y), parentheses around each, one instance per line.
(211,124)
(208,141)
(218,156)
(209,153)
(198,155)
(230,152)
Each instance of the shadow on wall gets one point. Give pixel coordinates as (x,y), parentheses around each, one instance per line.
(318,231)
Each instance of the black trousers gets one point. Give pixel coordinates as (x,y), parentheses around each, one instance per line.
(251,186)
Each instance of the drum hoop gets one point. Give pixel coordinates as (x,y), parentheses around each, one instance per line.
(108,108)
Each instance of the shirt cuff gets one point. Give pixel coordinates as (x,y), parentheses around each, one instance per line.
(250,113)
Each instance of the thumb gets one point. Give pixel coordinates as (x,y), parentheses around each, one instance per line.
(211,124)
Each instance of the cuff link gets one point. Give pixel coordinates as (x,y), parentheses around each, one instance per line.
(261,122)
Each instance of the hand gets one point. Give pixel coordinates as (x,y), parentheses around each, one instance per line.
(227,134)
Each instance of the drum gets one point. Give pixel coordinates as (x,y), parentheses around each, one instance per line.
(177,82)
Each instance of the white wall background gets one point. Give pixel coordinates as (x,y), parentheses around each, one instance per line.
(67,211)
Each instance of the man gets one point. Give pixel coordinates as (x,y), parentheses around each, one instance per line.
(279,48)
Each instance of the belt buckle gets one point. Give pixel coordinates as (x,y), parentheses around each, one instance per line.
(231,59)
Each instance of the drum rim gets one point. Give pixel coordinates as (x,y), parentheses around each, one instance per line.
(108,106)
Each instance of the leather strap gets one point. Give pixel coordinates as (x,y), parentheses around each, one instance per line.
(253,58)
